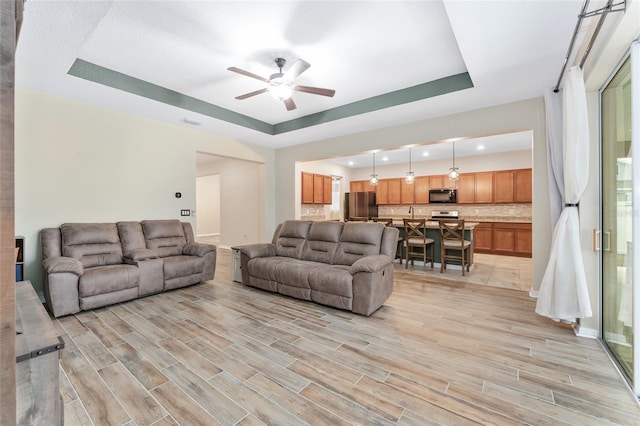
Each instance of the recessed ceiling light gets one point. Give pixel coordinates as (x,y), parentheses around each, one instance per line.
(385,158)
(480,147)
(425,154)
(351,163)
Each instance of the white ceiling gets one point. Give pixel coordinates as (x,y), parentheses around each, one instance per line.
(512,50)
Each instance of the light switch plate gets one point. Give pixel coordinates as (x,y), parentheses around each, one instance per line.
(185,212)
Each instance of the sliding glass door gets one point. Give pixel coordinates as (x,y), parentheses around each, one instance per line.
(618,329)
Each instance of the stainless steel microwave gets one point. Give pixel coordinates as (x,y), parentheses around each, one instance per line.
(443,196)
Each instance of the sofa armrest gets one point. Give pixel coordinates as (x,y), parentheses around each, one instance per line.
(198,249)
(258,250)
(139,255)
(54,265)
(370,264)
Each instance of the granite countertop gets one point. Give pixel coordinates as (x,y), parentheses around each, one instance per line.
(433,224)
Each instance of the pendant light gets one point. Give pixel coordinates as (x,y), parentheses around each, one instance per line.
(374,177)
(410,175)
(453,171)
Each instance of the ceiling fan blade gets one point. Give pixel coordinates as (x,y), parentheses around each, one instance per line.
(296,69)
(247,73)
(289,104)
(316,90)
(248,95)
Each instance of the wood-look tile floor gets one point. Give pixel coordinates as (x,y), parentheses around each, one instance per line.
(438,352)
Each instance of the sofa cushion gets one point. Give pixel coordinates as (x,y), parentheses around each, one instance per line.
(331,280)
(165,236)
(265,267)
(358,239)
(93,244)
(131,236)
(322,242)
(182,266)
(107,279)
(292,238)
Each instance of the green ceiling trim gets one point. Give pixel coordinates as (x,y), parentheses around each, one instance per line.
(124,82)
(117,80)
(430,89)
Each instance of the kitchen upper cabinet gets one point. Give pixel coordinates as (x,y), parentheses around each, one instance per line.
(467,188)
(475,188)
(407,194)
(421,189)
(513,186)
(327,197)
(382,192)
(395,191)
(316,189)
(503,190)
(307,188)
(524,186)
(436,182)
(484,187)
(361,186)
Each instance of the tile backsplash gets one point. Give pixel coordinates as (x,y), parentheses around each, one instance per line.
(476,212)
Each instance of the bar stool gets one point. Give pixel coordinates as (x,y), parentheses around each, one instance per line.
(389,222)
(415,235)
(452,236)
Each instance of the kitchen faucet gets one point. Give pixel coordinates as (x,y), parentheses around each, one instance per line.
(412,211)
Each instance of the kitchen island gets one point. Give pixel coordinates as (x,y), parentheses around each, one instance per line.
(432,229)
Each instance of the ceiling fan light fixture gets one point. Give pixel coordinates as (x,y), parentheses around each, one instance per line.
(280,88)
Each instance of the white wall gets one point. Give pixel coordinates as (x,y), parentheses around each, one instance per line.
(79,163)
(207,205)
(242,200)
(517,116)
(480,163)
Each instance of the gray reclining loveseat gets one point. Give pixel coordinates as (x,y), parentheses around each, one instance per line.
(88,265)
(344,265)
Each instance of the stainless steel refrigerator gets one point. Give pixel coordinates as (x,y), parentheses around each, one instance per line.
(360,204)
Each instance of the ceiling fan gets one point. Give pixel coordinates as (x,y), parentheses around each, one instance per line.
(280,84)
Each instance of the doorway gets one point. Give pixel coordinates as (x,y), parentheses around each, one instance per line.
(208,208)
(618,331)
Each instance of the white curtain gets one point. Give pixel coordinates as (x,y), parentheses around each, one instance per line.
(563,293)
(555,169)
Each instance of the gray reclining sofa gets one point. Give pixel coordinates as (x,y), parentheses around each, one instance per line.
(88,265)
(344,265)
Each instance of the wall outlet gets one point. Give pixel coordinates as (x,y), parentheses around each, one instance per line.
(185,212)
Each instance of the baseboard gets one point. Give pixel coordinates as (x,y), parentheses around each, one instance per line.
(208,235)
(224,246)
(534,294)
(591,333)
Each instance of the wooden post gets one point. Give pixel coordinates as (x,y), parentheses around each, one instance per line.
(10,12)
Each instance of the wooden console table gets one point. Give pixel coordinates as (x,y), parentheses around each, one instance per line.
(38,346)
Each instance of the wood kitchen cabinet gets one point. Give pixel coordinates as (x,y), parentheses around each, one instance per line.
(361,186)
(475,188)
(327,196)
(394,190)
(512,239)
(513,186)
(503,189)
(484,188)
(316,189)
(421,189)
(407,192)
(483,238)
(382,192)
(523,186)
(467,188)
(436,182)
(307,188)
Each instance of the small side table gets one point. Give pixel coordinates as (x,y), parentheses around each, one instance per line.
(38,345)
